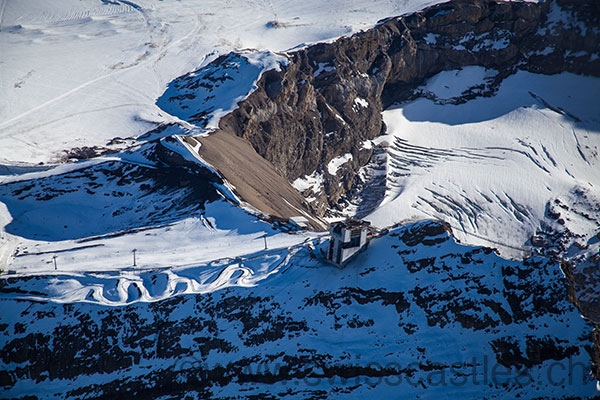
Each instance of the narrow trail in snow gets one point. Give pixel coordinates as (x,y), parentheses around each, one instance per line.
(127,286)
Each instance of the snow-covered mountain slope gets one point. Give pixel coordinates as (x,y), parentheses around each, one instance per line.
(490,166)
(150,283)
(204,96)
(142,274)
(80,73)
(415,315)
(92,214)
(315,118)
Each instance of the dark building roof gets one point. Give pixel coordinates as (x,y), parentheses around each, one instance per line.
(350,223)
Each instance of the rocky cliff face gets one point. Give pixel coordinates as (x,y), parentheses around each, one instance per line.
(328,100)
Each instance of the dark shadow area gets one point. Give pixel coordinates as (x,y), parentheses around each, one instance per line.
(219,85)
(103,199)
(8,169)
(573,96)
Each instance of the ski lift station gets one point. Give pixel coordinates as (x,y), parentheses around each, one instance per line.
(347,239)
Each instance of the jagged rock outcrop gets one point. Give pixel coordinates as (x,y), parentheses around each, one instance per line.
(328,100)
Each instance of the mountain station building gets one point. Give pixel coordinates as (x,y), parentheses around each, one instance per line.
(347,238)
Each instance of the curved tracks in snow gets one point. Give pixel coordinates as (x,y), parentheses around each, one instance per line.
(138,285)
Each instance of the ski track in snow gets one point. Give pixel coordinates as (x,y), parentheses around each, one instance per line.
(127,286)
(120,71)
(2,7)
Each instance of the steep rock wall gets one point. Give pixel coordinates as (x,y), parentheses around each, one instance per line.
(328,100)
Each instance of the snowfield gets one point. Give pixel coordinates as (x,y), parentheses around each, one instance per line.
(80,73)
(490,166)
(206,95)
(94,73)
(442,160)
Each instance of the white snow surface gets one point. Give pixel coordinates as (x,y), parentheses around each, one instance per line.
(93,214)
(490,166)
(125,286)
(313,181)
(336,163)
(80,72)
(210,93)
(449,84)
(360,102)
(223,231)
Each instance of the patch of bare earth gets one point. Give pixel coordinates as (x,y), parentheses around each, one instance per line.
(254,178)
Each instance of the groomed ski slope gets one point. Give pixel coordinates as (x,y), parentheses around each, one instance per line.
(93,218)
